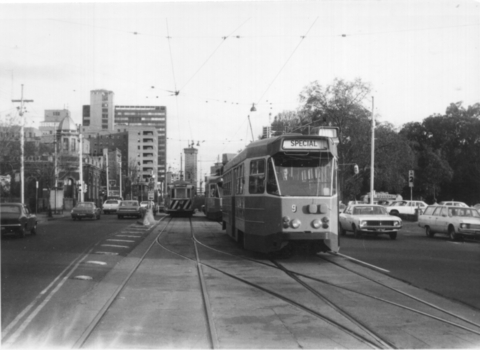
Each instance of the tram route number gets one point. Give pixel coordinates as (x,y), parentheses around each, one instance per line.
(305,144)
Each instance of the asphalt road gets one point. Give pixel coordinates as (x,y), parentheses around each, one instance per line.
(29,265)
(450,269)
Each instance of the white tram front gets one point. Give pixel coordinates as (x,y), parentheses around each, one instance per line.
(180,198)
(281,192)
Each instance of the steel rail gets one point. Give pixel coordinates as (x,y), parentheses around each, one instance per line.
(206,300)
(88,331)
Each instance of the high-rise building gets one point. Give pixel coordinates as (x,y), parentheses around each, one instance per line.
(144,116)
(99,115)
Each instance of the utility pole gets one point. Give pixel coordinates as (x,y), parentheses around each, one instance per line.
(80,168)
(373,157)
(22,110)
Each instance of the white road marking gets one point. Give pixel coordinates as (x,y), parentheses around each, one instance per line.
(95,262)
(29,319)
(120,240)
(115,245)
(105,253)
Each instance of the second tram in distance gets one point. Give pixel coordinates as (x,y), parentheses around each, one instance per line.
(281,192)
(213,198)
(180,198)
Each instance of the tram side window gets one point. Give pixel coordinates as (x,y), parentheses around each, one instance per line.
(256,181)
(240,180)
(227,184)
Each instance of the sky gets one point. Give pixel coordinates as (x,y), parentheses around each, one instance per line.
(223,56)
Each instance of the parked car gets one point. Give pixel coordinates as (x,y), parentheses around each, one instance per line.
(454,204)
(144,205)
(86,210)
(477,206)
(17,219)
(406,207)
(341,207)
(111,206)
(129,208)
(453,221)
(368,219)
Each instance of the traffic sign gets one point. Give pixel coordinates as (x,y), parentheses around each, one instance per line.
(151,195)
(411,177)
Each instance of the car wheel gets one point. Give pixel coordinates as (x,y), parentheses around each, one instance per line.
(451,233)
(21,232)
(428,232)
(341,231)
(33,231)
(393,235)
(356,232)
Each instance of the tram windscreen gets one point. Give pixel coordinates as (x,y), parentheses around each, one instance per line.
(181,192)
(302,175)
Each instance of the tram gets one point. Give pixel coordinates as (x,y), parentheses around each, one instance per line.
(281,193)
(213,197)
(180,197)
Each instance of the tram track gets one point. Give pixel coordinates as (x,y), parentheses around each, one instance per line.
(80,342)
(375,343)
(381,342)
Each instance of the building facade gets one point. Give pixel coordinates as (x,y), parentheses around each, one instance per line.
(100,114)
(48,128)
(147,116)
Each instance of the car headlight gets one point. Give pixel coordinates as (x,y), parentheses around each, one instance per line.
(362,223)
(464,225)
(396,223)
(295,223)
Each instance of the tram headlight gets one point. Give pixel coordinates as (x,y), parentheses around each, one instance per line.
(316,223)
(286,221)
(295,223)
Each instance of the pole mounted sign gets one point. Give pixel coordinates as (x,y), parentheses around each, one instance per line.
(411,177)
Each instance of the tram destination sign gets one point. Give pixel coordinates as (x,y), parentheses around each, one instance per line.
(305,144)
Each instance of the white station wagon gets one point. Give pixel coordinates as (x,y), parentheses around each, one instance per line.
(453,221)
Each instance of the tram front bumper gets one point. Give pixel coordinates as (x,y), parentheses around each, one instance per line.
(276,241)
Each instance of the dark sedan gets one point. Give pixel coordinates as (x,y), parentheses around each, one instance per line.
(16,218)
(129,208)
(86,210)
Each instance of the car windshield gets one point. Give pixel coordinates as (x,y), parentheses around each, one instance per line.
(10,209)
(129,204)
(369,210)
(85,205)
(463,212)
(111,202)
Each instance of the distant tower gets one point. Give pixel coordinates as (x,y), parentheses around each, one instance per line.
(191,165)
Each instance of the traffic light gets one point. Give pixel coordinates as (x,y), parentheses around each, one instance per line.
(355,169)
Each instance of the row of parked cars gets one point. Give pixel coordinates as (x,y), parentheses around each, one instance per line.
(123,208)
(455,219)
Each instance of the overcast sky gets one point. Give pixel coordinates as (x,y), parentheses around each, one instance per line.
(221,57)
